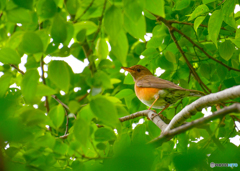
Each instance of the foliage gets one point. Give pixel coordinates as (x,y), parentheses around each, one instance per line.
(207,59)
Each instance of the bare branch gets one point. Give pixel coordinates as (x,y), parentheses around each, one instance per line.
(150,114)
(202,102)
(59,101)
(14,66)
(218,114)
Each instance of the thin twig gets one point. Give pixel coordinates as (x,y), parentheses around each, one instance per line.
(14,66)
(44,82)
(100,24)
(59,101)
(200,48)
(84,96)
(85,11)
(171,31)
(190,24)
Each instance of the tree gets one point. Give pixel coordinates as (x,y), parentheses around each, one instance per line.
(90,128)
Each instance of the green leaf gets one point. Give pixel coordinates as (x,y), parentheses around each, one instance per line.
(208,1)
(153,130)
(74,106)
(205,70)
(102,48)
(226,50)
(104,134)
(149,51)
(81,35)
(105,111)
(155,7)
(19,15)
(198,21)
(15,39)
(59,74)
(124,93)
(24,4)
(4,83)
(113,21)
(120,48)
(59,29)
(44,90)
(9,56)
(228,11)
(33,117)
(170,56)
(214,25)
(181,4)
(32,43)
(57,115)
(201,9)
(101,146)
(236,42)
(90,27)
(46,140)
(133,10)
(46,8)
(29,84)
(81,130)
(136,29)
(139,134)
(72,6)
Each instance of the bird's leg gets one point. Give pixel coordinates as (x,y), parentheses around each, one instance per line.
(164,109)
(153,103)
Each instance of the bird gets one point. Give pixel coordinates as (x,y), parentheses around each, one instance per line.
(156,92)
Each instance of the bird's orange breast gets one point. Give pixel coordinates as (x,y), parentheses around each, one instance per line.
(146,93)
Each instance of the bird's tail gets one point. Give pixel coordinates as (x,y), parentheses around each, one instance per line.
(196,93)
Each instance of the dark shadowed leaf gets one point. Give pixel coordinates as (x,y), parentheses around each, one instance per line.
(226,50)
(46,8)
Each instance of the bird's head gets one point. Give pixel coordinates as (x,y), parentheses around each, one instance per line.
(137,71)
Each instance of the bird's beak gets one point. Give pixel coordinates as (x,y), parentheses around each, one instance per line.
(127,69)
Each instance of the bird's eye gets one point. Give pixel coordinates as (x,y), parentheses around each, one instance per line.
(138,70)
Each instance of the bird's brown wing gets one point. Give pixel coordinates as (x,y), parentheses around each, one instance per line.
(155,82)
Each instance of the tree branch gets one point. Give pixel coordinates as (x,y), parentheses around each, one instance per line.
(89,6)
(100,23)
(171,31)
(202,102)
(200,48)
(190,24)
(218,114)
(150,114)
(20,71)
(44,82)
